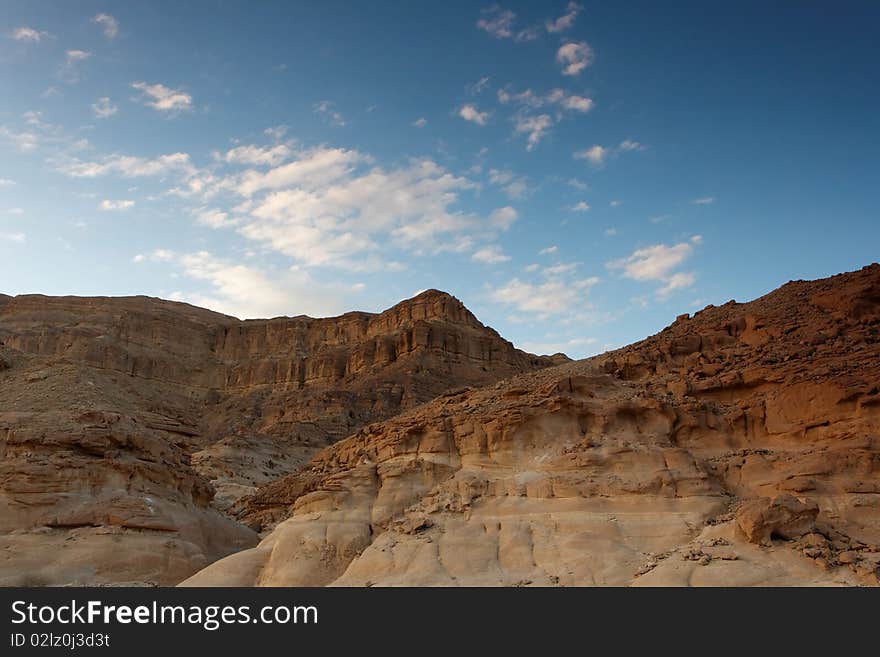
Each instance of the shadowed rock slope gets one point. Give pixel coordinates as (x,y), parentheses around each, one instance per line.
(128,424)
(740,446)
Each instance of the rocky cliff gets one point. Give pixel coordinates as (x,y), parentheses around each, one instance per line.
(128,424)
(740,446)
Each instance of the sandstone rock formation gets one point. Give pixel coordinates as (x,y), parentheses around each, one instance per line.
(740,446)
(127,425)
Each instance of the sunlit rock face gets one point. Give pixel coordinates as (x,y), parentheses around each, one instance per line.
(740,446)
(129,425)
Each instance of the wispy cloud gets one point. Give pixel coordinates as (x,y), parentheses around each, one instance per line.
(498,22)
(70,70)
(109,25)
(581,206)
(551,297)
(477,87)
(108,205)
(548,250)
(420,122)
(490,255)
(325,109)
(706,200)
(565,21)
(162,98)
(127,166)
(103,108)
(597,155)
(503,218)
(513,185)
(534,127)
(537,125)
(29,35)
(251,154)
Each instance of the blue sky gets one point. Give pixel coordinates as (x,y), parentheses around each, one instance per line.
(577,173)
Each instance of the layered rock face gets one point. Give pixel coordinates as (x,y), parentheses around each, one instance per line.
(127,425)
(740,446)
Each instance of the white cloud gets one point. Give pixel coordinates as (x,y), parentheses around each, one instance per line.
(471,113)
(103,108)
(70,69)
(595,155)
(556,96)
(498,22)
(565,21)
(162,98)
(548,250)
(257,155)
(578,184)
(533,126)
(560,269)
(658,263)
(140,257)
(129,166)
(29,35)
(574,57)
(581,206)
(110,205)
(311,168)
(420,122)
(677,281)
(326,208)
(707,200)
(503,218)
(532,267)
(536,126)
(24,141)
(616,204)
(577,103)
(18,238)
(109,25)
(490,255)
(549,298)
(610,232)
(630,145)
(248,293)
(276,132)
(6,182)
(325,109)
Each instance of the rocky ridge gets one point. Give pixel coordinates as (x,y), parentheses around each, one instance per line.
(128,424)
(739,446)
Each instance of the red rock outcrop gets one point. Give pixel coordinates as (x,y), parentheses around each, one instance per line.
(127,423)
(740,446)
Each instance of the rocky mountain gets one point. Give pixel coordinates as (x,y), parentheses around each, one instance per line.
(128,425)
(739,446)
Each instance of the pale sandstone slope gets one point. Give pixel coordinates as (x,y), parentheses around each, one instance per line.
(740,446)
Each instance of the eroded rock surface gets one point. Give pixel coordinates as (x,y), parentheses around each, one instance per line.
(127,425)
(740,446)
